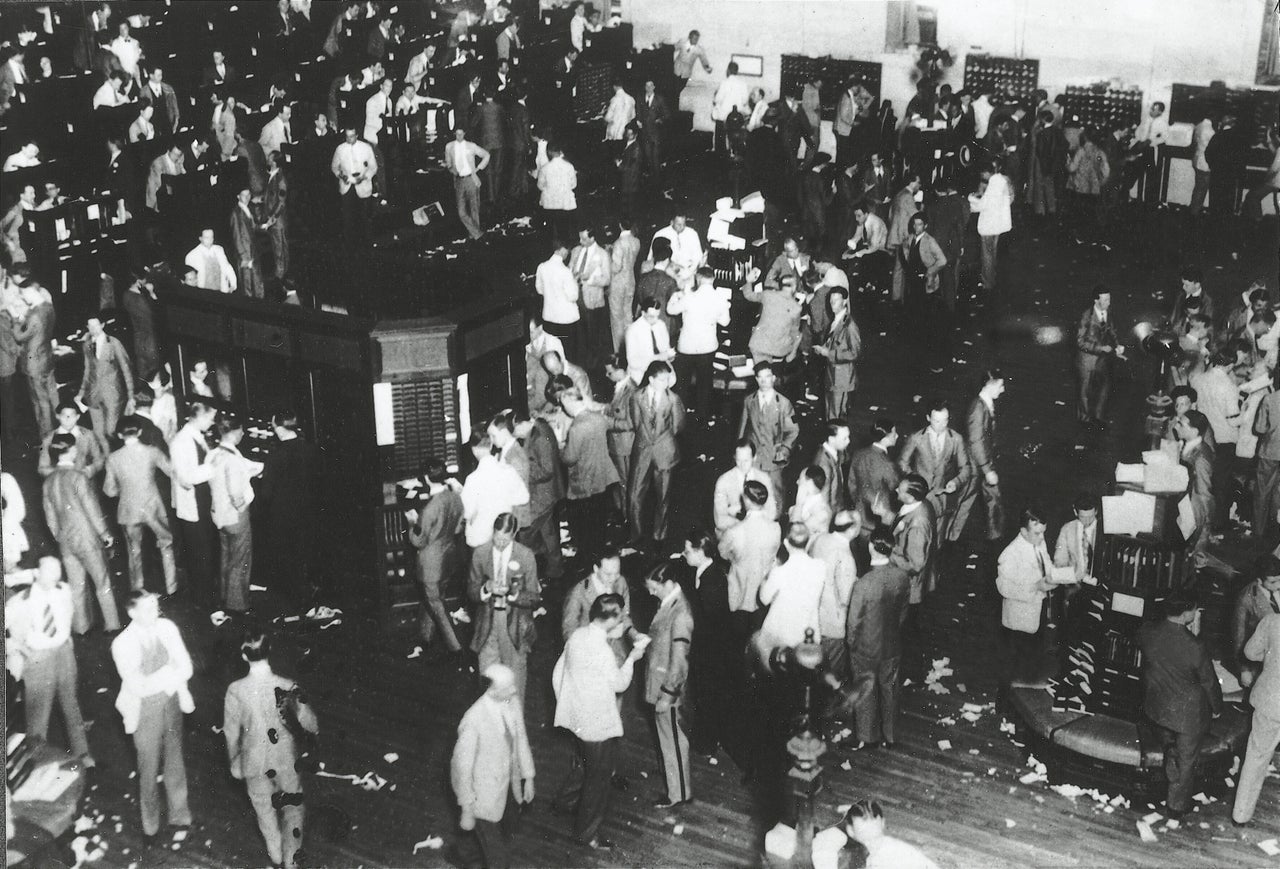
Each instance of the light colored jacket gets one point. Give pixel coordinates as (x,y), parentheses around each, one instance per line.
(126,651)
(727,500)
(257,738)
(587,679)
(486,763)
(621,111)
(750,547)
(557,180)
(1264,646)
(1070,551)
(1019,571)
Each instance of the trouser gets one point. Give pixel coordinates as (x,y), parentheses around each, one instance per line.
(1095,385)
(356,228)
(1021,656)
(693,372)
(8,408)
(493,174)
(199,558)
(466,194)
(991,499)
(237,558)
(1252,205)
(105,413)
(1199,191)
(499,649)
(158,740)
(490,842)
(1181,752)
(43,391)
(713,689)
(570,336)
(250,280)
(844,151)
(563,223)
(49,676)
(277,801)
(89,561)
(435,616)
(990,252)
(1222,486)
(518,181)
(587,517)
(158,522)
(719,138)
(598,761)
(673,745)
(542,535)
(278,234)
(651,154)
(1266,497)
(874,688)
(838,402)
(621,304)
(1263,738)
(948,282)
(596,336)
(643,477)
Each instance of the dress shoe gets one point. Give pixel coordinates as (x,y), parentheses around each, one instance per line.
(887,745)
(1174,814)
(668,803)
(599,843)
(1236,823)
(149,840)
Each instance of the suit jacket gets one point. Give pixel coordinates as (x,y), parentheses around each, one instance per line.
(1092,334)
(242,232)
(576,610)
(1253,604)
(877,612)
(546,476)
(210,77)
(526,591)
(727,501)
(1264,646)
(170,98)
(629,168)
(653,118)
(831,549)
(488,127)
(171,679)
(1069,551)
(1020,568)
(772,429)
(1179,686)
(656,433)
(72,512)
(708,598)
(90,453)
(275,198)
(981,428)
(871,473)
(781,268)
(667,660)
(1266,425)
(835,492)
(776,334)
(844,346)
(438,526)
(140,309)
(913,548)
(953,463)
(290,484)
(250,153)
(1199,464)
(901,209)
(131,476)
(106,380)
(258,740)
(521,129)
(36,334)
(491,758)
(795,128)
(948,222)
(592,268)
(586,456)
(931,257)
(750,547)
(621,435)
(874,188)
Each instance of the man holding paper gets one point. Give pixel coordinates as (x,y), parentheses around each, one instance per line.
(1024,575)
(1198,458)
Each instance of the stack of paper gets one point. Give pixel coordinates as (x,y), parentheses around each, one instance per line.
(753,203)
(1128,513)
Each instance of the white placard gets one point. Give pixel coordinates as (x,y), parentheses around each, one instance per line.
(384,422)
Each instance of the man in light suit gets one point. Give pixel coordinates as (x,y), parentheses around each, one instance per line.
(262,716)
(154,668)
(1181,695)
(1076,548)
(354,165)
(91,450)
(213,270)
(503,582)
(981,428)
(465,160)
(492,769)
(1198,456)
(107,385)
(917,266)
(750,547)
(1022,578)
(667,671)
(131,476)
(41,654)
(621,436)
(830,457)
(841,349)
(776,336)
(75,519)
(831,548)
(769,423)
(592,268)
(901,210)
(939,455)
(35,334)
(657,418)
(727,505)
(168,164)
(590,472)
(790,263)
(435,536)
(1264,735)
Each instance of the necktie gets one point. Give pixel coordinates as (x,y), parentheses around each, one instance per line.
(201,452)
(1088,556)
(1275,605)
(653,402)
(288,137)
(582,262)
(653,335)
(51,626)
(1040,561)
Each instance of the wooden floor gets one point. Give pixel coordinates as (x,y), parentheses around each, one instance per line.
(964,806)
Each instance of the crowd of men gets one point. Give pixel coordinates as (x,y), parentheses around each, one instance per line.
(840,549)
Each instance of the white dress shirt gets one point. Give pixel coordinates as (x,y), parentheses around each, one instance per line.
(188,471)
(231,484)
(733,91)
(702,310)
(559,290)
(792,592)
(686,246)
(1153,130)
(587,680)
(641,341)
(557,180)
(24,617)
(171,679)
(995,216)
(489,491)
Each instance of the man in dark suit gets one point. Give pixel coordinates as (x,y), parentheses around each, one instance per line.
(873,476)
(630,169)
(873,637)
(793,124)
(841,349)
(107,385)
(981,428)
(132,477)
(657,417)
(274,213)
(435,536)
(488,129)
(830,457)
(139,303)
(876,181)
(244,227)
(769,172)
(1096,346)
(219,72)
(815,195)
(590,473)
(948,215)
(1198,457)
(769,424)
(652,116)
(546,489)
(939,455)
(287,505)
(504,584)
(713,678)
(468,98)
(1181,695)
(521,141)
(35,334)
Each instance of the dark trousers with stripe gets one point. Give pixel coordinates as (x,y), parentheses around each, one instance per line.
(673,744)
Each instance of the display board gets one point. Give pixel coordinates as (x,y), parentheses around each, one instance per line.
(834,73)
(1255,107)
(1102,107)
(984,72)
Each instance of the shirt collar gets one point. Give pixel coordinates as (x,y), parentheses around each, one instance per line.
(909,508)
(675,592)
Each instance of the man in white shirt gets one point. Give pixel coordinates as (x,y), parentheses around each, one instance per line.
(40,653)
(557,180)
(555,282)
(727,505)
(592,269)
(1218,398)
(111,92)
(191,501)
(995,218)
(127,50)
(24,158)
(490,490)
(354,165)
(647,340)
(465,161)
(1200,138)
(275,132)
(686,248)
(578,26)
(1150,135)
(1076,548)
(587,680)
(689,53)
(864,823)
(377,109)
(732,93)
(213,270)
(868,246)
(702,309)
(619,114)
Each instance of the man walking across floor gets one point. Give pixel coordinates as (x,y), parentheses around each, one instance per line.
(587,679)
(1096,346)
(666,672)
(769,423)
(107,386)
(264,717)
(981,425)
(131,477)
(1181,695)
(1264,735)
(465,161)
(435,536)
(702,311)
(590,473)
(504,584)
(939,455)
(492,770)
